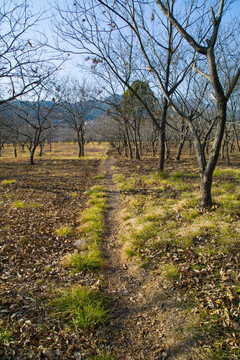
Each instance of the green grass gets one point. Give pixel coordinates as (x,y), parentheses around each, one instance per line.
(170,271)
(8,182)
(99,177)
(91,231)
(19,204)
(103,355)
(160,175)
(86,260)
(80,307)
(23,205)
(235,173)
(64,231)
(130,252)
(92,219)
(165,220)
(4,335)
(97,189)
(35,205)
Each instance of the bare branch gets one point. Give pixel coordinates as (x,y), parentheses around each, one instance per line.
(201,72)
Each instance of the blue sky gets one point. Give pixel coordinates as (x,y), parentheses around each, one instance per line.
(70,69)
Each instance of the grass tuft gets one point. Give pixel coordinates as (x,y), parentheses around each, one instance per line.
(89,259)
(19,204)
(4,335)
(8,182)
(103,355)
(99,177)
(80,307)
(170,271)
(64,231)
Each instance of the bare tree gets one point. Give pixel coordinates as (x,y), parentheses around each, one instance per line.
(38,116)
(221,94)
(77,102)
(22,51)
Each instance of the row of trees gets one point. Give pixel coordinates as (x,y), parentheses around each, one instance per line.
(125,124)
(54,113)
(186,52)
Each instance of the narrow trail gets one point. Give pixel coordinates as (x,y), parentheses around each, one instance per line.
(135,330)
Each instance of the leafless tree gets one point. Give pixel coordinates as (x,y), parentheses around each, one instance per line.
(37,116)
(77,102)
(23,53)
(208,67)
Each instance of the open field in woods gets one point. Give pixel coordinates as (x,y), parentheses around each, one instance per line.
(104,258)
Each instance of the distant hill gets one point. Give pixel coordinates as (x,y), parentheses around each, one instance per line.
(98,110)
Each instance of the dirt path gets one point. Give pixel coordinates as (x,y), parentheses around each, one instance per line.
(135,330)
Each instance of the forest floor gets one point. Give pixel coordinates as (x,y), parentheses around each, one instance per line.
(169,274)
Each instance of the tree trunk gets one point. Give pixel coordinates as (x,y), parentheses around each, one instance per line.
(32,156)
(125,146)
(189,147)
(180,147)
(205,200)
(129,143)
(82,145)
(79,145)
(137,154)
(237,140)
(153,147)
(168,150)
(227,152)
(15,150)
(162,137)
(41,150)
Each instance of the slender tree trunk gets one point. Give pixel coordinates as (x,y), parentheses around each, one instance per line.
(153,148)
(222,149)
(79,144)
(15,150)
(125,146)
(50,143)
(129,143)
(237,139)
(162,137)
(205,200)
(82,145)
(168,149)
(32,156)
(180,148)
(41,150)
(137,154)
(227,153)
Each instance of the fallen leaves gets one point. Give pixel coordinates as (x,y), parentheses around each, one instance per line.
(31,253)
